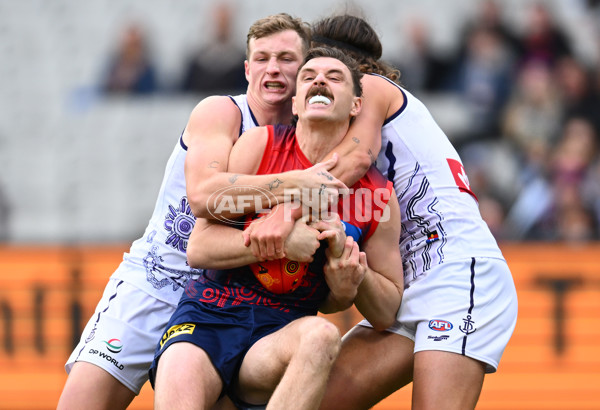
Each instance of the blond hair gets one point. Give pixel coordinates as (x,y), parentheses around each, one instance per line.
(277,23)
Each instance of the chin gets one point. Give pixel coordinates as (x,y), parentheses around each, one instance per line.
(278,97)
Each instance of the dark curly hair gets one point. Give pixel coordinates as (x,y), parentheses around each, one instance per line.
(354,36)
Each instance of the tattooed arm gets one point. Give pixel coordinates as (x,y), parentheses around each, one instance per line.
(227,248)
(357,152)
(211,131)
(360,148)
(232,194)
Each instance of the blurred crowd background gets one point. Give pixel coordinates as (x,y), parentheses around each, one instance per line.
(94,95)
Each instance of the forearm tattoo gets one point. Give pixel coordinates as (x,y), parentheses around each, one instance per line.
(233,178)
(274,184)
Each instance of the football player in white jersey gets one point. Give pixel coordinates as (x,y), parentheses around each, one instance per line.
(460,305)
(284,352)
(110,364)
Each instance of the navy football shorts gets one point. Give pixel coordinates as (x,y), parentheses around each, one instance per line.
(225,333)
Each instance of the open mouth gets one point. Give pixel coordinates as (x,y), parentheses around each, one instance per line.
(274,85)
(319,99)
(319,95)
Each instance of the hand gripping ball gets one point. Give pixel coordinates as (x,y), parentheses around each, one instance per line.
(279,275)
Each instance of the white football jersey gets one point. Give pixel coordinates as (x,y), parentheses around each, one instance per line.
(157,262)
(440,215)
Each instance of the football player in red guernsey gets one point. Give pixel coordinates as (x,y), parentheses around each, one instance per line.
(229,334)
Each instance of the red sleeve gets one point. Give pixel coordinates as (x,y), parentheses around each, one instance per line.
(368,201)
(263,168)
(379,204)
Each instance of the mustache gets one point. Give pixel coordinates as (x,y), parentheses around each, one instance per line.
(319,90)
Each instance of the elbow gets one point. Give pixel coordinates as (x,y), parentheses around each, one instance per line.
(194,261)
(198,202)
(388,316)
(357,165)
(362,162)
(383,323)
(196,257)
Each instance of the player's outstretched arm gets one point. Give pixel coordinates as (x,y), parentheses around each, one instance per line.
(226,249)
(263,190)
(357,151)
(213,245)
(380,292)
(210,135)
(360,147)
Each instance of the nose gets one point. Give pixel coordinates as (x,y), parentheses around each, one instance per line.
(319,79)
(273,66)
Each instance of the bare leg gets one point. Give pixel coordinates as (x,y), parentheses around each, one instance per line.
(293,364)
(90,387)
(371,366)
(186,379)
(446,380)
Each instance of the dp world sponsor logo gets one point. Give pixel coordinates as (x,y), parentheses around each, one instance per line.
(114,345)
(440,325)
(230,203)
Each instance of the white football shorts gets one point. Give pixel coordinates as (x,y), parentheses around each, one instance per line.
(467,307)
(122,335)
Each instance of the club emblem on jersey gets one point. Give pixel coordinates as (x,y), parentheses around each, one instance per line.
(179,222)
(432,237)
(467,327)
(460,176)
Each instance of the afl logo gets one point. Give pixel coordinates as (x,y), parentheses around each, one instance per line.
(238,201)
(440,325)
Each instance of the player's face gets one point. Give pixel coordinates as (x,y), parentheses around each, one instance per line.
(272,66)
(325,91)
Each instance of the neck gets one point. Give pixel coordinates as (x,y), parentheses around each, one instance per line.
(270,113)
(317,139)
